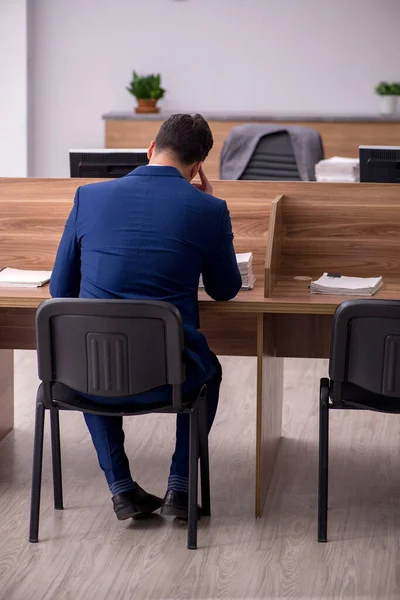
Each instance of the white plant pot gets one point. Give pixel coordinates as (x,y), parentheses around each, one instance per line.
(388,105)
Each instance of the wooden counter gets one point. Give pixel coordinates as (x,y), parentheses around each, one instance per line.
(293,229)
(341,135)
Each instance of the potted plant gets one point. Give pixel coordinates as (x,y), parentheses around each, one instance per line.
(388,93)
(147,91)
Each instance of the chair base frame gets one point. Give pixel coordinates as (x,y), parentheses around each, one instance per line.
(198,448)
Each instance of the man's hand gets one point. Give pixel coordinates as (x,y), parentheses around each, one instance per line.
(205,185)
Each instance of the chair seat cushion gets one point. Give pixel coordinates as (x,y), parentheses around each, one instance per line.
(68,399)
(354,396)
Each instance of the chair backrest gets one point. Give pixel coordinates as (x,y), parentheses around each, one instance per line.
(273,159)
(365,346)
(112,347)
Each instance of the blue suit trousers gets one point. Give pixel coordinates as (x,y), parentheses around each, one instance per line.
(108,436)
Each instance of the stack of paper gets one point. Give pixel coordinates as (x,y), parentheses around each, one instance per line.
(346,286)
(17,278)
(245,264)
(338,170)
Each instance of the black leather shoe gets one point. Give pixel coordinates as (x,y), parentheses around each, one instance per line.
(135,503)
(175,504)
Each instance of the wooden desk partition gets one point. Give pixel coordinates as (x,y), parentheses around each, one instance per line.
(293,229)
(274,246)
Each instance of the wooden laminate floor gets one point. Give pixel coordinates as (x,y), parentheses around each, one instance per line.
(85,553)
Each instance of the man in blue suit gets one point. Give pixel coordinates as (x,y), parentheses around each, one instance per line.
(150,235)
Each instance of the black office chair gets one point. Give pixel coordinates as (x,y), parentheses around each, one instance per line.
(364,374)
(273,159)
(113,348)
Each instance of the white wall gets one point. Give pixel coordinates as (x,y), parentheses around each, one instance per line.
(277,56)
(13,88)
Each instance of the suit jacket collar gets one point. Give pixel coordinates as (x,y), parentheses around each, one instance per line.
(155,171)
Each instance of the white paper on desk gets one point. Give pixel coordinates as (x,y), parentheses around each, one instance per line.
(244,257)
(338,169)
(340,160)
(346,286)
(19,278)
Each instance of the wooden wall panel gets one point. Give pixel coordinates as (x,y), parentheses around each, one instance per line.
(17,328)
(33,213)
(348,235)
(32,218)
(303,336)
(130,134)
(230,334)
(249,205)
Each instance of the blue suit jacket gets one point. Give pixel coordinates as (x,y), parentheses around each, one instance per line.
(149,235)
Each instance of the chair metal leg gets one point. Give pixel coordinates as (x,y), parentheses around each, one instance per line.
(193,478)
(56,459)
(204,459)
(37,473)
(323,461)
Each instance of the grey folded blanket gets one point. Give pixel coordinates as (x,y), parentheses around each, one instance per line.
(242,141)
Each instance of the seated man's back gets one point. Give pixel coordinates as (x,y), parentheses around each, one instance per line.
(149,236)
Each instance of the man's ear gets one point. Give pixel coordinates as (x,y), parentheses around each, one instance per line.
(194,170)
(150,150)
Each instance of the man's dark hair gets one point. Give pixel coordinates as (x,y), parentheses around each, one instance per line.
(188,137)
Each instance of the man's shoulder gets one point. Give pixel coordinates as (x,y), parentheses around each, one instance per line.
(98,186)
(212,202)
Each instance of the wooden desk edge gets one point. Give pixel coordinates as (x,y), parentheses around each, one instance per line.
(268,305)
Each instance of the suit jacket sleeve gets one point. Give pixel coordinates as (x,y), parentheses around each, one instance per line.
(221,276)
(66,276)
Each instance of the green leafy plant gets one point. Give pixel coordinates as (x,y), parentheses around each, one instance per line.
(388,89)
(147,87)
(396,89)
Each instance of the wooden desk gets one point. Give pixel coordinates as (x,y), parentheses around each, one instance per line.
(341,135)
(353,230)
(292,228)
(32,217)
